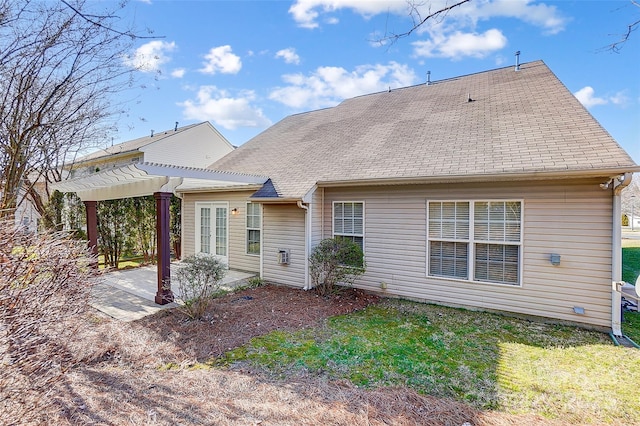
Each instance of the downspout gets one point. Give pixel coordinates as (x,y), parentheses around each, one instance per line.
(618,183)
(307,242)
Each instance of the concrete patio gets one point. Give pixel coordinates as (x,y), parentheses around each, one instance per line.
(128,295)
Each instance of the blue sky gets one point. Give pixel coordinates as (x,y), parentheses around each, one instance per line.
(244,65)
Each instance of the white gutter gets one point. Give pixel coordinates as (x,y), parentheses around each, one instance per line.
(307,242)
(618,183)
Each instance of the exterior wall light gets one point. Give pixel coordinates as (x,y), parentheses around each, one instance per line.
(234,211)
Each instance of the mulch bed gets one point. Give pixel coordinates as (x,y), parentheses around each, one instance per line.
(232,320)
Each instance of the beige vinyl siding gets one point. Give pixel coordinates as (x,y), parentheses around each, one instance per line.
(317,212)
(570,218)
(283,228)
(238,258)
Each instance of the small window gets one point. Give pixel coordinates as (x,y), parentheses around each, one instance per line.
(348,221)
(253,228)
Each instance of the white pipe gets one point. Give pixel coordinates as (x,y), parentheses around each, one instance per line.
(616,267)
(616,254)
(307,243)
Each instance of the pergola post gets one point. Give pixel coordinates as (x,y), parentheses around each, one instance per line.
(90,208)
(164,294)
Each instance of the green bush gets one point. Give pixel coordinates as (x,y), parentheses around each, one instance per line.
(335,263)
(198,282)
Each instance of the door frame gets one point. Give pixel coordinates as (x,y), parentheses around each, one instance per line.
(212,205)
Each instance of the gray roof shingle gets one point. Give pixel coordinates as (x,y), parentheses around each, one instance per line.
(519,122)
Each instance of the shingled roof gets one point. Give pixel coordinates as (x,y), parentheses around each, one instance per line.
(500,122)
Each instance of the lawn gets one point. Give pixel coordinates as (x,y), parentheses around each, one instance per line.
(630,273)
(489,361)
(630,260)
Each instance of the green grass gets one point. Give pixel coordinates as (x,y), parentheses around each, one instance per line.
(631,326)
(630,260)
(487,360)
(123,263)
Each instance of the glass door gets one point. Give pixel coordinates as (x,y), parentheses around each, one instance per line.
(212,229)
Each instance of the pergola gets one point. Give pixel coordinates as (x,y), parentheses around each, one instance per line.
(159,180)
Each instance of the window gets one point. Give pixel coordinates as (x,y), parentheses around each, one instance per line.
(475,240)
(348,221)
(253,228)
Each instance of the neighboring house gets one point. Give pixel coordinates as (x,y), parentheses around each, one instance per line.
(195,145)
(495,190)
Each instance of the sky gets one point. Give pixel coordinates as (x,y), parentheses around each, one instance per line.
(245,65)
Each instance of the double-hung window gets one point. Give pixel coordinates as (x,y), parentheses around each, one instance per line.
(253,228)
(348,221)
(475,240)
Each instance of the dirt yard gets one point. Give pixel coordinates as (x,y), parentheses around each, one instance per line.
(142,373)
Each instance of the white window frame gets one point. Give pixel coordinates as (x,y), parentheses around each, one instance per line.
(347,234)
(248,228)
(472,242)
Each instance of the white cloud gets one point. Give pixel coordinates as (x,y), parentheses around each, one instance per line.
(538,14)
(289,55)
(620,99)
(223,109)
(305,12)
(327,86)
(451,35)
(221,59)
(150,56)
(458,44)
(587,97)
(178,73)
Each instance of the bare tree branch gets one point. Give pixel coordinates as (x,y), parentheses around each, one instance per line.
(58,68)
(618,45)
(418,20)
(90,18)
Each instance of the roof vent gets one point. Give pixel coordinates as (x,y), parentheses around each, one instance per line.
(518,60)
(176,128)
(151,132)
(428,78)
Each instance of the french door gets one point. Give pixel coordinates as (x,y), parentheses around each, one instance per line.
(212,229)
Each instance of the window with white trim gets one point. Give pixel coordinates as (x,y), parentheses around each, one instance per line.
(348,221)
(475,240)
(253,228)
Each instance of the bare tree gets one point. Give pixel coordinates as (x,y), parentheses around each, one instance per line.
(45,282)
(59,67)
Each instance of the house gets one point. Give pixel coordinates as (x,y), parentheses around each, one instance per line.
(195,145)
(494,191)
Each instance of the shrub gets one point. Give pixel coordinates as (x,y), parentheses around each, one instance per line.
(45,283)
(335,263)
(198,282)
(255,282)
